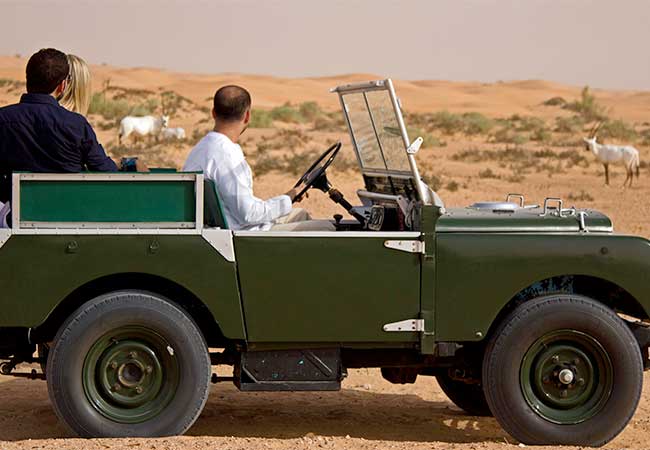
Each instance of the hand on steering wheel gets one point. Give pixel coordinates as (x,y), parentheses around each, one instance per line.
(313,177)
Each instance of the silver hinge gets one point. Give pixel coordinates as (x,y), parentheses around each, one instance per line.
(406,246)
(405,325)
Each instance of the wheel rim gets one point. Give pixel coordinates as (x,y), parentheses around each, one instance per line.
(130,374)
(566,377)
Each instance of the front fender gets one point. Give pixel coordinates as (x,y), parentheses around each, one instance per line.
(479,273)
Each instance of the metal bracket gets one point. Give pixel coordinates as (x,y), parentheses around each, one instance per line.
(581,221)
(415,146)
(560,212)
(405,325)
(5,234)
(406,246)
(519,196)
(221,241)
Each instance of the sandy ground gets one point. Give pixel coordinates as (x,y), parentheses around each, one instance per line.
(368,413)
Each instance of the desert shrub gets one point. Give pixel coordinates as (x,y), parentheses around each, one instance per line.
(108,108)
(330,122)
(265,163)
(581,196)
(452,186)
(428,140)
(507,135)
(291,138)
(487,173)
(530,124)
(541,135)
(447,122)
(587,106)
(261,118)
(618,129)
(476,123)
(572,125)
(310,111)
(286,113)
(297,163)
(555,101)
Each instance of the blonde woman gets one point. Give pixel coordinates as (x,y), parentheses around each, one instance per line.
(76,95)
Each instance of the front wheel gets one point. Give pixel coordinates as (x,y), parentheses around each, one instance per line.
(563,369)
(128,363)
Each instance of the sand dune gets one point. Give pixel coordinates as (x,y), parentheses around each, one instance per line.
(493,99)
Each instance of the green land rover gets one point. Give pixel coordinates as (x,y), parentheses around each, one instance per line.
(127,288)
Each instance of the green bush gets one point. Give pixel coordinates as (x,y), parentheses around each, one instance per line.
(310,111)
(570,125)
(487,173)
(618,129)
(587,106)
(261,118)
(447,122)
(286,113)
(476,123)
(555,101)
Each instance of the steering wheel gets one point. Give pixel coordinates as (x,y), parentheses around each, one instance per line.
(314,176)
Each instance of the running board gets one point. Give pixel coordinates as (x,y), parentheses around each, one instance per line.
(290,370)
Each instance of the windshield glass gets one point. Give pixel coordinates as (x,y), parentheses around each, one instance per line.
(375,130)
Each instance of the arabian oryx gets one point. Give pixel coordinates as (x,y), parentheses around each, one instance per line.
(612,154)
(142,126)
(173,134)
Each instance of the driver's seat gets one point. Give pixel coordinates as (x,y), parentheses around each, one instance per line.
(213,215)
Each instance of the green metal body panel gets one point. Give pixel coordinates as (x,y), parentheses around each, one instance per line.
(478,273)
(107,201)
(38,272)
(326,289)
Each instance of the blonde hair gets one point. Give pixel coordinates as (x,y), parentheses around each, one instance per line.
(76,96)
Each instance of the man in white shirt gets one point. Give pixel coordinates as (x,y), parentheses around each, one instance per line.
(221,159)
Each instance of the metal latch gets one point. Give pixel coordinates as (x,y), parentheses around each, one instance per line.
(406,246)
(405,325)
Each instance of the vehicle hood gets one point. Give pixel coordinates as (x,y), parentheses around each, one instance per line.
(471,220)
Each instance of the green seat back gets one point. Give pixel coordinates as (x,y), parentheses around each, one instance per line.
(213,210)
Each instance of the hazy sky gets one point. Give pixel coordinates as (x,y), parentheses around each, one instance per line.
(603,43)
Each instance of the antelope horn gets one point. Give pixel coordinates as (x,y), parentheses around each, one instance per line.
(596,128)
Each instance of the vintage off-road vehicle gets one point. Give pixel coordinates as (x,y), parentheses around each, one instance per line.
(129,287)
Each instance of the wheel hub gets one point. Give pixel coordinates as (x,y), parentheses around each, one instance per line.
(566,377)
(129,376)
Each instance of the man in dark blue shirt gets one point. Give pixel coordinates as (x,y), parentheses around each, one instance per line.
(39,135)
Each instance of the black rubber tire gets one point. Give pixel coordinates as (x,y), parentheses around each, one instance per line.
(98,317)
(468,397)
(515,336)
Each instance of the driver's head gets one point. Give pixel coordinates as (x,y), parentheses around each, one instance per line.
(232,106)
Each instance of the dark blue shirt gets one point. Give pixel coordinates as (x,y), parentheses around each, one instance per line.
(39,135)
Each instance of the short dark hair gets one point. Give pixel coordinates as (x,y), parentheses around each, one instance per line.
(45,70)
(231,103)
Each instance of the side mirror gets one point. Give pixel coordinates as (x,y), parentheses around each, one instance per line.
(415,146)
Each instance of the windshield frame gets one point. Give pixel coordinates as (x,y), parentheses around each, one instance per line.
(381,85)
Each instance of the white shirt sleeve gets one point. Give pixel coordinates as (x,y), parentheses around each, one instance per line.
(235,184)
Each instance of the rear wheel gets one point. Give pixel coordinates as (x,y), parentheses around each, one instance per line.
(468,397)
(563,370)
(128,364)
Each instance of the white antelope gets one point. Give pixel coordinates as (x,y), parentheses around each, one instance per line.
(173,133)
(612,154)
(142,126)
